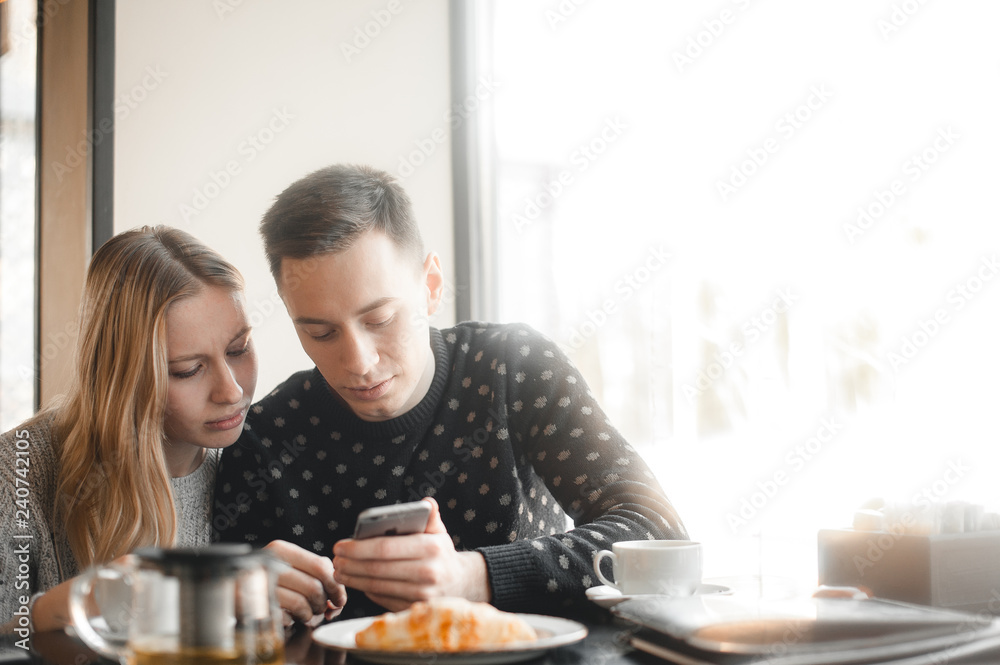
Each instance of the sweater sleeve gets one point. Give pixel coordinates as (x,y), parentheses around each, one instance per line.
(27,553)
(556,425)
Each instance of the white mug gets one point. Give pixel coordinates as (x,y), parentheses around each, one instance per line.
(667,567)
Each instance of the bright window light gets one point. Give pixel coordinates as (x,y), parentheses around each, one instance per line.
(18,45)
(767,234)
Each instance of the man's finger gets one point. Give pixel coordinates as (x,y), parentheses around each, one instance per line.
(425,572)
(387,548)
(390,603)
(402,589)
(434,523)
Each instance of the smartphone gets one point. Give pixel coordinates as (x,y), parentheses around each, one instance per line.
(394,520)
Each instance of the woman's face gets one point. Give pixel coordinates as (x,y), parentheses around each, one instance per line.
(213,373)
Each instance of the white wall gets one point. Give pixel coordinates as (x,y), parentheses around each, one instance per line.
(197,80)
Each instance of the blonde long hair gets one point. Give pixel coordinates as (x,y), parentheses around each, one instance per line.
(113,487)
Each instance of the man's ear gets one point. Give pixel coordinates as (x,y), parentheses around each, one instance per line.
(433,282)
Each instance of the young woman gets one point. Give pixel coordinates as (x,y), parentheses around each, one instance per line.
(164,374)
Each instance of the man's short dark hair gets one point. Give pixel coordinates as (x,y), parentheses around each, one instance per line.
(328,210)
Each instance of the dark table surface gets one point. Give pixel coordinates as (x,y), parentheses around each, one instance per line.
(605,644)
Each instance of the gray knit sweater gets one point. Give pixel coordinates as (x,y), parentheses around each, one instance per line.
(34,550)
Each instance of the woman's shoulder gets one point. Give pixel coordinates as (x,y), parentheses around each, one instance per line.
(33,435)
(29,452)
(30,458)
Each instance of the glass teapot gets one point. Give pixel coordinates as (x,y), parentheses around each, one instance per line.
(205,605)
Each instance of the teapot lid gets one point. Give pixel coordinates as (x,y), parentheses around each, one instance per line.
(210,560)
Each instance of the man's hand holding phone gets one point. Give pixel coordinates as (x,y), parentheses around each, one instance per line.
(399,519)
(397,570)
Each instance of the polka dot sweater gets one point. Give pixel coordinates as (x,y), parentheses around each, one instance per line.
(509,441)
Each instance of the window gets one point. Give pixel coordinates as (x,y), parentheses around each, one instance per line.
(17,212)
(766,233)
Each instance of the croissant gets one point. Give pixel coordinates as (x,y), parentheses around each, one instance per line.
(444,625)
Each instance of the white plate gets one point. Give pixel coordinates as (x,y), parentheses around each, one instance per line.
(607,596)
(552,632)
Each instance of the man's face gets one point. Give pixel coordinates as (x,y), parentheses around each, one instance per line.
(361,316)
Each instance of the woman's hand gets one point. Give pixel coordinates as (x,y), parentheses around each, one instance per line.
(395,571)
(51,609)
(307,591)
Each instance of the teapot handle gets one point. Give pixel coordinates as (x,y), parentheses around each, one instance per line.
(79,593)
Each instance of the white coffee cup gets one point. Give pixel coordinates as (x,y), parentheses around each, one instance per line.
(667,567)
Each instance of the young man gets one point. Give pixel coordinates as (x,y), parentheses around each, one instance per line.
(492,422)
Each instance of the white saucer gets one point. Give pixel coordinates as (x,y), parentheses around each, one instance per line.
(552,632)
(607,596)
